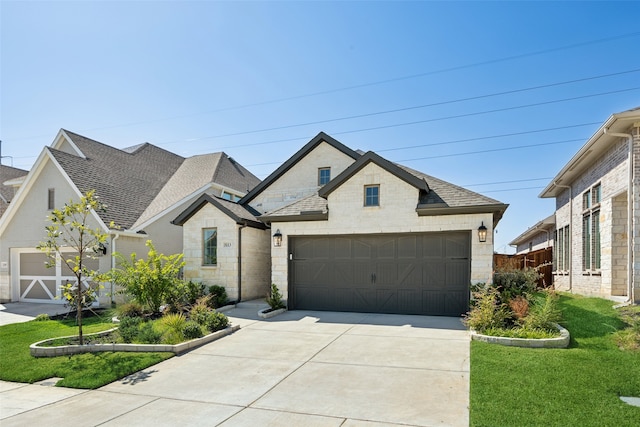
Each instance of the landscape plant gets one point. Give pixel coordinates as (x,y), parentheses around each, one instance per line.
(513,307)
(72,240)
(274,298)
(151,282)
(218,296)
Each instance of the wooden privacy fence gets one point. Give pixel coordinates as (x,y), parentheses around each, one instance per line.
(542,258)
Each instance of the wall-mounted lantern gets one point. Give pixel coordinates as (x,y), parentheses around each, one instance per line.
(277,239)
(482,233)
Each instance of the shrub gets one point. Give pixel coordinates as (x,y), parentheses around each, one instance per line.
(130,309)
(216,321)
(519,306)
(193,291)
(274,298)
(488,312)
(511,283)
(192,330)
(218,296)
(174,322)
(199,312)
(544,313)
(152,281)
(129,328)
(42,317)
(148,334)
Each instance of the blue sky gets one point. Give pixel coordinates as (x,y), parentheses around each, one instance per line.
(259,79)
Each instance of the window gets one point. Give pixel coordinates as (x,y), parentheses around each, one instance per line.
(324,175)
(210,246)
(561,250)
(51,200)
(230,196)
(372,195)
(591,228)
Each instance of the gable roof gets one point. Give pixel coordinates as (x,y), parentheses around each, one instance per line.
(371,157)
(293,160)
(544,226)
(7,192)
(127,182)
(590,152)
(195,174)
(240,214)
(310,208)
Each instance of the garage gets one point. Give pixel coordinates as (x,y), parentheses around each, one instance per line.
(38,283)
(409,273)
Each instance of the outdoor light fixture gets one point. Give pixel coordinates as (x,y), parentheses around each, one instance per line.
(482,233)
(277,239)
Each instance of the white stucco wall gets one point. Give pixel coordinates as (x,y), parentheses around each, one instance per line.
(396,214)
(302,179)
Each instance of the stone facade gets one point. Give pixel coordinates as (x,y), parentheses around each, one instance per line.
(610,170)
(396,214)
(255,250)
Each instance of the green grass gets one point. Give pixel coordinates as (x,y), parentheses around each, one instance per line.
(90,370)
(578,386)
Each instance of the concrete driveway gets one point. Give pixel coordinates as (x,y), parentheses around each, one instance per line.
(299,368)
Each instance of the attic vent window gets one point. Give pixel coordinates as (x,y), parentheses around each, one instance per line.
(372,195)
(324,175)
(51,199)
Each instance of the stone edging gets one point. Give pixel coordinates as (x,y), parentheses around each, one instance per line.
(67,350)
(559,342)
(266,314)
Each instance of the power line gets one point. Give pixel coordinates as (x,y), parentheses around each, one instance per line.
(507,182)
(513,189)
(414,107)
(456,116)
(374,83)
(490,151)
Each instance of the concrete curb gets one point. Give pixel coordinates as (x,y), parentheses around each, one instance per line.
(560,342)
(266,314)
(67,350)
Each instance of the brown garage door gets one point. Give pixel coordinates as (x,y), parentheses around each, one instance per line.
(426,273)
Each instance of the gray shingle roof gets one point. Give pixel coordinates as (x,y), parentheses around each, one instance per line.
(240,214)
(126,182)
(312,206)
(195,173)
(7,192)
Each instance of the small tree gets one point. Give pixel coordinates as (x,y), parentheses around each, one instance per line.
(150,282)
(69,228)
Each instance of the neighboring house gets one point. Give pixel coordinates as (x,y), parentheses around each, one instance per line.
(597,243)
(10,180)
(539,236)
(144,187)
(350,231)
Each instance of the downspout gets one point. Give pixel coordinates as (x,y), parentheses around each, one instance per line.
(629,137)
(240,261)
(113,260)
(570,232)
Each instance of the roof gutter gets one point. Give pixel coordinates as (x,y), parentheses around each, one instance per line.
(630,198)
(570,232)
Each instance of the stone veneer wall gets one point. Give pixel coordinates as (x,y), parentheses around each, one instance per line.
(255,254)
(611,171)
(396,214)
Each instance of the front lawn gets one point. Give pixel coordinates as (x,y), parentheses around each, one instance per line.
(91,370)
(578,386)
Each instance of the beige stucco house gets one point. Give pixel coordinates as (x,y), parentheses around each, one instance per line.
(597,237)
(144,188)
(350,231)
(539,236)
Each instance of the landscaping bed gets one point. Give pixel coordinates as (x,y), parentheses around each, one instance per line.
(580,385)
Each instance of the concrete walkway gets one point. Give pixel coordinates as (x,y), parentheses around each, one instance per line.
(299,368)
(17,312)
